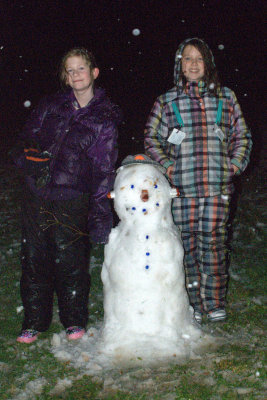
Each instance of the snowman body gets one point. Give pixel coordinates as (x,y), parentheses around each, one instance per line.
(145,301)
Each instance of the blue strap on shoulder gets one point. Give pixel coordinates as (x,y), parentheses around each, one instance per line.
(178,115)
(181,122)
(219,112)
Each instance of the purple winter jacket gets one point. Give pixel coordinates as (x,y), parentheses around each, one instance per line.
(83,144)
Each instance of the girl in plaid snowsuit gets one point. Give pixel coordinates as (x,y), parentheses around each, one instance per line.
(197,132)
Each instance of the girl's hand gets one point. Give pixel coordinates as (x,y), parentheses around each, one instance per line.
(169,171)
(235,168)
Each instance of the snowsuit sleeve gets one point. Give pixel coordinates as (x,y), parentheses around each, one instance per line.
(240,142)
(156,132)
(104,157)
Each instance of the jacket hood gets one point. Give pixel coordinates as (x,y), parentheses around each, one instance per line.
(178,56)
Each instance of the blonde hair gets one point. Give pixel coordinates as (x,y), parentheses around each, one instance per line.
(88,57)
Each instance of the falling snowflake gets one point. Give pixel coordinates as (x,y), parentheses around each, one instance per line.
(27,103)
(136,32)
(221,47)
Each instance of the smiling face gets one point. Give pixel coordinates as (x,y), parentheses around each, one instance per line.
(79,76)
(193,65)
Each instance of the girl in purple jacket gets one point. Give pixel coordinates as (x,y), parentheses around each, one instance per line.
(70,150)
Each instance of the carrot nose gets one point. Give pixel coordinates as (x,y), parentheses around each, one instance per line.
(144,195)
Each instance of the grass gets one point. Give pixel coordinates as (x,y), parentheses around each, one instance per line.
(235,371)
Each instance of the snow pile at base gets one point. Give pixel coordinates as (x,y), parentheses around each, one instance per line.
(147,316)
(91,355)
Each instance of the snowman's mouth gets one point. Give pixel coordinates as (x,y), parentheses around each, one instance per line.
(144,195)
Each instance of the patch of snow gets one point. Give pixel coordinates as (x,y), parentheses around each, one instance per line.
(19,309)
(60,387)
(32,389)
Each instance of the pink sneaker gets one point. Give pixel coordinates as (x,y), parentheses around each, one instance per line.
(27,336)
(75,332)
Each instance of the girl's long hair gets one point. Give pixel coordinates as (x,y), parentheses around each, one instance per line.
(210,78)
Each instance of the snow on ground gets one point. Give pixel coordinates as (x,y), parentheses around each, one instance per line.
(89,353)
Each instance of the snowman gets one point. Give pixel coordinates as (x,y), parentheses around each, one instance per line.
(146,308)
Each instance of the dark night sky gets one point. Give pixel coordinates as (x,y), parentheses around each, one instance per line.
(134,69)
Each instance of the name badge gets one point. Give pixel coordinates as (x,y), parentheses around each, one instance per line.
(218,132)
(176,137)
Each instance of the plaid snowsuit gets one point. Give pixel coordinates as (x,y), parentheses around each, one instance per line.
(203,173)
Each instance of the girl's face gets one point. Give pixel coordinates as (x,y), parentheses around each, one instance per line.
(79,74)
(193,66)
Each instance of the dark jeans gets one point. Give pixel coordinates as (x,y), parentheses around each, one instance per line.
(54,257)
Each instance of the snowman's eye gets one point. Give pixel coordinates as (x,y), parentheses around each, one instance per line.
(132,186)
(155,186)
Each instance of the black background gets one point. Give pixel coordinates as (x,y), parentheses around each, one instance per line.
(133,69)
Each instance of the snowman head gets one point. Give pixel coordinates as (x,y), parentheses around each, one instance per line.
(142,193)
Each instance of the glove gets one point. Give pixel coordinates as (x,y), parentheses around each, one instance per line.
(37,165)
(36,162)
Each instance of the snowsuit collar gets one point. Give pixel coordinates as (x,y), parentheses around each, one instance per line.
(193,89)
(99,94)
(100,104)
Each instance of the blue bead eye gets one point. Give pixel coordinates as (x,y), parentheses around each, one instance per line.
(157,204)
(147,237)
(147,254)
(133,208)
(132,186)
(144,210)
(147,266)
(155,186)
